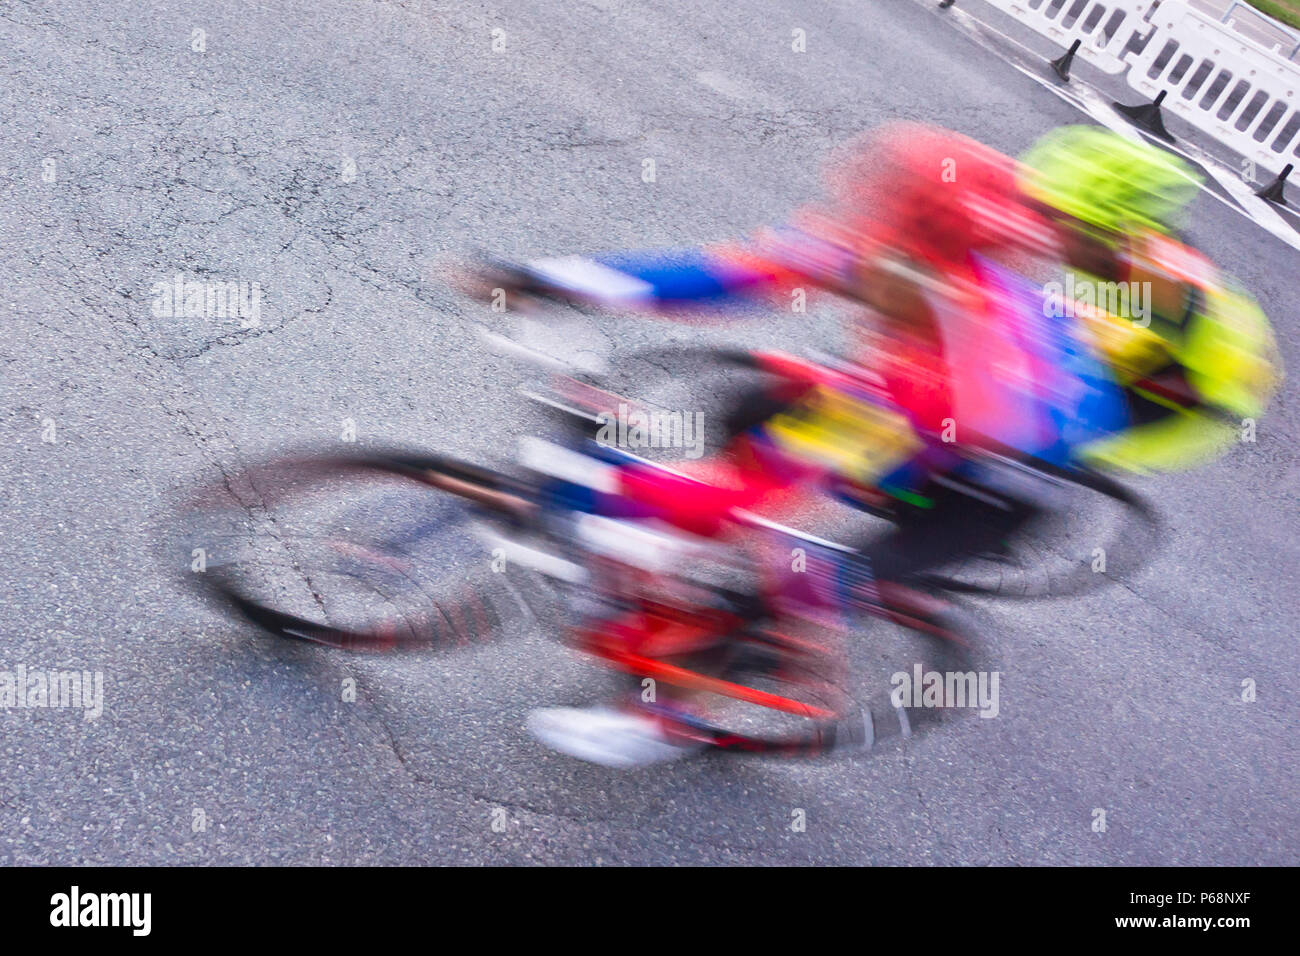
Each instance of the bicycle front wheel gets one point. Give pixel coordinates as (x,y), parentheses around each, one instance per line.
(372,551)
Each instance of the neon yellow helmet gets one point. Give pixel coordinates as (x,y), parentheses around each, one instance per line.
(1107,181)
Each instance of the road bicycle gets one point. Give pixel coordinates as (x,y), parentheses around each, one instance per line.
(736,644)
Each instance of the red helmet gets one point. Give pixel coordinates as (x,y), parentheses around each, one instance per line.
(930,193)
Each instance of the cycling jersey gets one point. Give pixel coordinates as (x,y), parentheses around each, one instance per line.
(1194,352)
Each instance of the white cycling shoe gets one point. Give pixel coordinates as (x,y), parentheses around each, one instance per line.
(611,738)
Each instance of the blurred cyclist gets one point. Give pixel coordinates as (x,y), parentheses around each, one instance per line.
(1194,352)
(912,207)
(917,214)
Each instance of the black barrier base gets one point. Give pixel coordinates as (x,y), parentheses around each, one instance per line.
(1273,191)
(1147,116)
(1062,63)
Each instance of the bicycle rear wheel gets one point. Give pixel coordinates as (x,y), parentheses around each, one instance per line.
(1095,531)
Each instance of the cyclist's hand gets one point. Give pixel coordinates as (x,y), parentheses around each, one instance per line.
(504,286)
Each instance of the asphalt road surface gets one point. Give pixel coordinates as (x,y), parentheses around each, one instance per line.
(335,153)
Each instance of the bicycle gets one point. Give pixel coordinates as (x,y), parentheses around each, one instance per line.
(351,551)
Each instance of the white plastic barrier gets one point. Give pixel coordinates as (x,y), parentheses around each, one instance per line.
(1105,27)
(1253,25)
(1240,93)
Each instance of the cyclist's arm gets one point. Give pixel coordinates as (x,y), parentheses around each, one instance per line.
(662,280)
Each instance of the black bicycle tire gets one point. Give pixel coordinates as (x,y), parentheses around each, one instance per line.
(444,625)
(1143,512)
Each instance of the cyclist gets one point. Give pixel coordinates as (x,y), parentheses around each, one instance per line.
(1194,353)
(913,208)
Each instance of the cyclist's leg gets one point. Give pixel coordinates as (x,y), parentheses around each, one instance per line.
(958,526)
